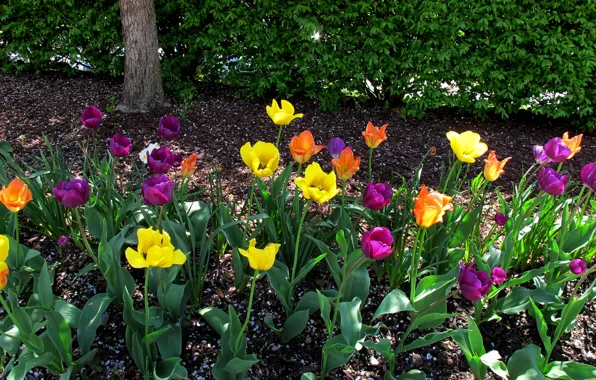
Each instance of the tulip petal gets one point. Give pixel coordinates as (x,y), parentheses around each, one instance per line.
(179,257)
(159,257)
(135,259)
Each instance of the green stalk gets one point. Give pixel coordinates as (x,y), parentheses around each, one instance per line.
(83,236)
(297,246)
(370,157)
(281,127)
(252,293)
(17,238)
(146,298)
(159,216)
(416,251)
(477,311)
(248,211)
(343,192)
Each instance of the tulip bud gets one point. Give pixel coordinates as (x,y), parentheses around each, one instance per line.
(376,243)
(157,191)
(91,117)
(73,193)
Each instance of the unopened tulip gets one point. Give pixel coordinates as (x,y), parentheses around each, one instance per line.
(120,145)
(303,147)
(189,165)
(162,159)
(556,151)
(498,275)
(588,175)
(157,191)
(73,193)
(16,196)
(493,168)
(283,115)
(169,128)
(260,259)
(346,165)
(377,195)
(4,271)
(552,182)
(473,284)
(374,136)
(540,155)
(578,266)
(335,146)
(376,243)
(501,219)
(91,117)
(63,241)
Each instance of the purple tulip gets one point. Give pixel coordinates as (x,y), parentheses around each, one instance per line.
(577,266)
(540,155)
(588,175)
(169,128)
(162,159)
(335,146)
(63,241)
(498,275)
(473,284)
(552,182)
(91,117)
(157,191)
(377,196)
(73,193)
(556,150)
(376,243)
(120,145)
(501,219)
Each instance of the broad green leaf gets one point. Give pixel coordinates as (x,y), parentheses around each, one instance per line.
(493,360)
(169,369)
(394,302)
(44,288)
(569,371)
(525,364)
(237,366)
(578,237)
(542,326)
(90,319)
(294,325)
(350,321)
(59,333)
(430,338)
(216,318)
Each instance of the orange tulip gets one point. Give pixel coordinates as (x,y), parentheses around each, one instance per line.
(430,207)
(493,168)
(189,165)
(16,196)
(303,147)
(374,136)
(574,143)
(346,165)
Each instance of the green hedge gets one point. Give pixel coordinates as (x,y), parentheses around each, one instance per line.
(503,55)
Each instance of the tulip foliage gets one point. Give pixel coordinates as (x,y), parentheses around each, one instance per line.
(143,232)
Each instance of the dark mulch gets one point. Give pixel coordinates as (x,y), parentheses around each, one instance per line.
(217,124)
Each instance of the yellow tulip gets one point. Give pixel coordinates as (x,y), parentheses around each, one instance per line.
(262,159)
(260,259)
(493,168)
(4,271)
(316,184)
(467,146)
(283,115)
(154,250)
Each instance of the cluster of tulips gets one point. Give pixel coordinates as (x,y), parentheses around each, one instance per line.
(365,233)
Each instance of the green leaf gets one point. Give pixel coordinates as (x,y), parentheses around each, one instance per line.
(430,338)
(310,264)
(350,321)
(337,353)
(431,319)
(308,376)
(294,325)
(579,237)
(569,371)
(216,318)
(20,371)
(44,288)
(493,360)
(568,316)
(394,302)
(280,284)
(59,333)
(412,374)
(237,366)
(152,337)
(90,319)
(357,285)
(170,342)
(525,364)
(464,228)
(542,327)
(170,369)
(325,308)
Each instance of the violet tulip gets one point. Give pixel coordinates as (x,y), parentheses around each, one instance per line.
(377,196)
(335,146)
(162,159)
(540,155)
(91,117)
(552,182)
(169,128)
(62,241)
(473,284)
(157,191)
(73,193)
(556,150)
(501,219)
(120,145)
(376,243)
(577,266)
(498,275)
(588,175)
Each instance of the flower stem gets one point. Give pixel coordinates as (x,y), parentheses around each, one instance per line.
(478,311)
(146,298)
(281,127)
(252,293)
(416,251)
(297,246)
(370,157)
(343,193)
(159,216)
(83,236)
(251,192)
(17,238)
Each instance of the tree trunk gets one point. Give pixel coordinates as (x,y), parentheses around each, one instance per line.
(143,89)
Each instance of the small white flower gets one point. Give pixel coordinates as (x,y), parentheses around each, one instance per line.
(147,151)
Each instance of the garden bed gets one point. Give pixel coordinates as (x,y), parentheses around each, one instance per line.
(215,126)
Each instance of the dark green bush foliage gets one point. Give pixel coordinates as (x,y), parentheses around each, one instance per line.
(502,55)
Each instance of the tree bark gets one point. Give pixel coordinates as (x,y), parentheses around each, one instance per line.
(143,89)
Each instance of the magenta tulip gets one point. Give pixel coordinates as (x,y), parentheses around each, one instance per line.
(335,146)
(501,219)
(169,128)
(376,243)
(91,117)
(157,191)
(556,150)
(577,266)
(498,275)
(63,241)
(377,196)
(120,145)
(73,193)
(540,155)
(588,175)
(473,284)
(552,182)
(162,159)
